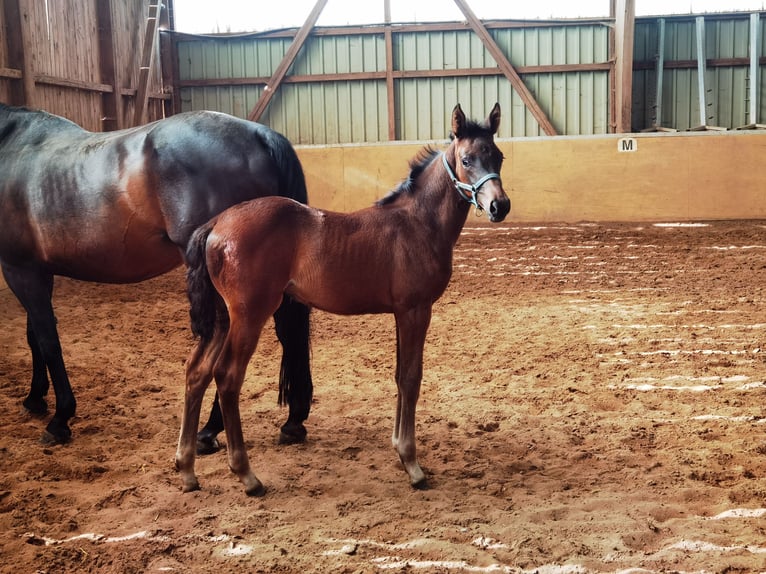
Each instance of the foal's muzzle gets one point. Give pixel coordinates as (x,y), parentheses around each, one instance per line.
(498,209)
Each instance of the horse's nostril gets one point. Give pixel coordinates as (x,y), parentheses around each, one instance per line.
(499,209)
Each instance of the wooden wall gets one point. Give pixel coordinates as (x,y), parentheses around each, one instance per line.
(639,177)
(82,59)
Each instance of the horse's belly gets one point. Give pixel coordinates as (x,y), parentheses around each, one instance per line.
(118,262)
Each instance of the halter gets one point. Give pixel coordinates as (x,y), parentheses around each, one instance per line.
(463,187)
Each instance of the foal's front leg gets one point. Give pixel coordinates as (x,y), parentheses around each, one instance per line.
(411,328)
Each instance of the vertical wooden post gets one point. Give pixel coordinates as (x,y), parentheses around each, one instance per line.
(624,30)
(111,102)
(167,62)
(660,74)
(701,70)
(390,92)
(755,50)
(20,50)
(142,96)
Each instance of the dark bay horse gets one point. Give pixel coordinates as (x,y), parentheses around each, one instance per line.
(120,207)
(394,257)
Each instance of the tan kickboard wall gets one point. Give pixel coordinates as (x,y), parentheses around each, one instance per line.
(633,177)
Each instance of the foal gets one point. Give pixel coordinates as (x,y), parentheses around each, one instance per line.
(394,257)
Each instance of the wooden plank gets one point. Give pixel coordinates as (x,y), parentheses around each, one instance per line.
(11,73)
(167,62)
(700,45)
(692,64)
(625,17)
(77,84)
(395,74)
(276,79)
(16,13)
(507,68)
(390,92)
(111,101)
(146,62)
(755,84)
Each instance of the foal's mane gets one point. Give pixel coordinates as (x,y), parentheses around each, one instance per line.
(418,164)
(470,130)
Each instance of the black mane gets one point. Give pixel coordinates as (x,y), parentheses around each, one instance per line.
(417,165)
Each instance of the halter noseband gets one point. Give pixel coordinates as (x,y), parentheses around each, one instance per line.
(463,187)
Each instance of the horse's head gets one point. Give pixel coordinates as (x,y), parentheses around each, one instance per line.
(477,163)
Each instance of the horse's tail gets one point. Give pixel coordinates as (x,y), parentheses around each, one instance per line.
(207,307)
(293,330)
(292,181)
(292,318)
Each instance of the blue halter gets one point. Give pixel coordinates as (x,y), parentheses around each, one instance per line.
(463,187)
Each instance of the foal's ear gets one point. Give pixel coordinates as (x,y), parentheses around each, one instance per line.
(458,121)
(493,120)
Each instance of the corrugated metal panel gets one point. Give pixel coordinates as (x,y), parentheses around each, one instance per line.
(343,111)
(321,112)
(726,87)
(576,102)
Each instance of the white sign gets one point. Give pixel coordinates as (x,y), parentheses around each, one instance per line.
(627,144)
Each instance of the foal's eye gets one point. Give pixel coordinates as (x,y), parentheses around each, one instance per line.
(466,162)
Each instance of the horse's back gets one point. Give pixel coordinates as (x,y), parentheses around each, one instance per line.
(121,206)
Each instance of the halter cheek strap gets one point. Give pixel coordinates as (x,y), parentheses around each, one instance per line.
(462,188)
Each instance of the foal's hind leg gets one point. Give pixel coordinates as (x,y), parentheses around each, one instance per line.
(199,373)
(411,328)
(296,388)
(239,346)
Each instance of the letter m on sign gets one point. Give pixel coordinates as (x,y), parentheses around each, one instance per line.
(627,145)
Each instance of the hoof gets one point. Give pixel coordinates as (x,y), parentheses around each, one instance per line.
(48,439)
(207,444)
(292,434)
(190,486)
(257,490)
(421,484)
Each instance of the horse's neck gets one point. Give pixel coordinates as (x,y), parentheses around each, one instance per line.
(444,203)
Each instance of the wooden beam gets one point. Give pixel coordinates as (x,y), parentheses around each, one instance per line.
(20,50)
(754,79)
(284,65)
(390,92)
(624,30)
(167,62)
(395,74)
(155,6)
(701,69)
(507,68)
(111,102)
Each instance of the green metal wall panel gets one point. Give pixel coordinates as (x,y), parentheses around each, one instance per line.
(726,86)
(344,111)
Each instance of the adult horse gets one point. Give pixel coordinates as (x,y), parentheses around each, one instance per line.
(120,207)
(394,257)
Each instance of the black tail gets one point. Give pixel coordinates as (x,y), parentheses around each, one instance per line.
(293,331)
(292,182)
(207,308)
(292,318)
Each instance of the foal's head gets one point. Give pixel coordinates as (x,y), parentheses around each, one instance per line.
(477,162)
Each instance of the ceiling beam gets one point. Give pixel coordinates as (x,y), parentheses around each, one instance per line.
(507,68)
(284,65)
